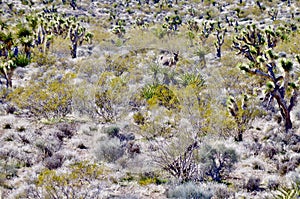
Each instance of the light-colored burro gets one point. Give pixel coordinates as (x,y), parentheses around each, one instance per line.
(168,59)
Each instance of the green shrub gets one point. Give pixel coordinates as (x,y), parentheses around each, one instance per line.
(77,182)
(150,178)
(111,131)
(138,118)
(46,99)
(157,94)
(193,80)
(215,160)
(292,192)
(22,60)
(111,94)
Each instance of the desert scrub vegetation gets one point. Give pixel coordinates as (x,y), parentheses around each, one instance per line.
(79,181)
(111,93)
(199,190)
(109,150)
(161,83)
(49,98)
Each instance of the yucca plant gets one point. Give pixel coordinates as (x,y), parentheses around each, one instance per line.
(22,60)
(288,193)
(192,79)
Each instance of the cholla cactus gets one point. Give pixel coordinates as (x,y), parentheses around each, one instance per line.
(257,46)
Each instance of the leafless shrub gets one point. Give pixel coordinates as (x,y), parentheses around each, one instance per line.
(273,184)
(269,150)
(133,148)
(288,164)
(183,166)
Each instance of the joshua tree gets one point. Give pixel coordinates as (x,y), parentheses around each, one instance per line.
(6,71)
(172,22)
(220,34)
(119,28)
(77,35)
(47,26)
(7,41)
(257,46)
(73,4)
(218,30)
(25,37)
(239,108)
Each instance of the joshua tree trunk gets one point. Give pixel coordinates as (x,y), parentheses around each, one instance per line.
(74,50)
(285,111)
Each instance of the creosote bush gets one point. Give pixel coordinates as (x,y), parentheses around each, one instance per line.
(160,94)
(48,98)
(111,95)
(77,182)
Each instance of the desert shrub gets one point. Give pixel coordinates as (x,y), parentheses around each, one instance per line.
(7,126)
(193,80)
(65,131)
(118,65)
(9,169)
(42,59)
(54,161)
(138,118)
(150,178)
(190,190)
(111,131)
(47,99)
(133,149)
(111,96)
(242,112)
(22,60)
(216,160)
(178,157)
(269,150)
(109,150)
(288,164)
(77,182)
(157,94)
(272,184)
(253,184)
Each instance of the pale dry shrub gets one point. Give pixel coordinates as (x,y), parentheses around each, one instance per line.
(109,150)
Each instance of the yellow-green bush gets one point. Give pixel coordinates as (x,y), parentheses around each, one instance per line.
(111,93)
(48,98)
(76,183)
(158,94)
